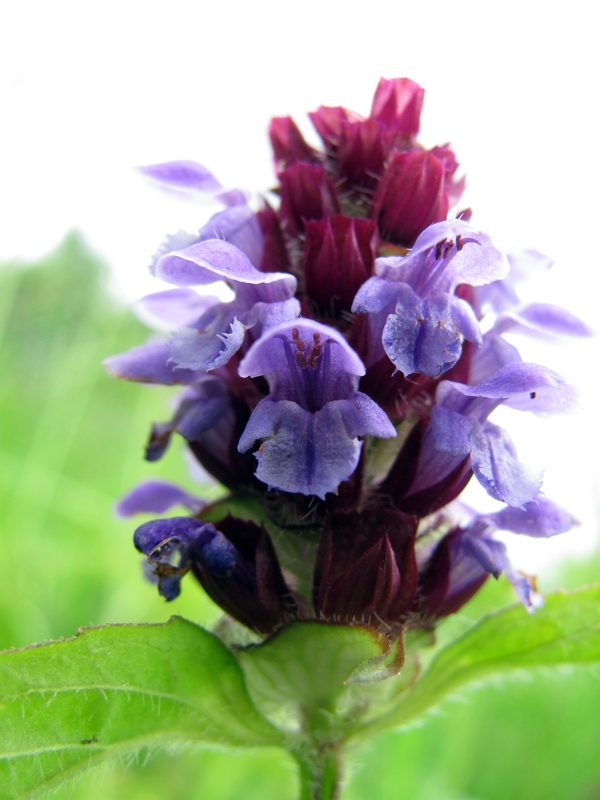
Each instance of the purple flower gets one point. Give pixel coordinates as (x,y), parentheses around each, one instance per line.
(259,298)
(156,497)
(361,241)
(454,572)
(218,333)
(465,557)
(313,417)
(414,315)
(234,561)
(237,224)
(459,429)
(161,540)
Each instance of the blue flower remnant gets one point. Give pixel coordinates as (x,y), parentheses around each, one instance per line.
(346,391)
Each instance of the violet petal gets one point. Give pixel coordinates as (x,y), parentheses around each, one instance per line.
(214,260)
(425,335)
(150,363)
(540,518)
(184,178)
(267,356)
(239,226)
(173,308)
(308,452)
(207,349)
(526,589)
(528,387)
(497,468)
(488,552)
(437,262)
(156,497)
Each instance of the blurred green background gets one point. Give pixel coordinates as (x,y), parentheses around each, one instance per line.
(71,443)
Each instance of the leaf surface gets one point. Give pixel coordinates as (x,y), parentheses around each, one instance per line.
(566,631)
(110,691)
(309,663)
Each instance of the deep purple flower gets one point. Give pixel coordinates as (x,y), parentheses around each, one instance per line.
(414,315)
(161,540)
(234,561)
(465,557)
(313,417)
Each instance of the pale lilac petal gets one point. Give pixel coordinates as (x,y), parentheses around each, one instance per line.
(544,321)
(267,355)
(529,387)
(375,295)
(272,314)
(496,467)
(239,226)
(363,417)
(207,349)
(501,295)
(464,319)
(173,308)
(494,353)
(173,241)
(539,518)
(307,452)
(214,260)
(156,497)
(183,178)
(475,262)
(150,363)
(232,197)
(451,432)
(425,335)
(490,554)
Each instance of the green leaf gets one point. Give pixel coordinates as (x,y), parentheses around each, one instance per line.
(109,692)
(309,663)
(565,631)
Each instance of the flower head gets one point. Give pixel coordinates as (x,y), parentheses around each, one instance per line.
(345,395)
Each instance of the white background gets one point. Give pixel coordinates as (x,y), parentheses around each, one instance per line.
(90,89)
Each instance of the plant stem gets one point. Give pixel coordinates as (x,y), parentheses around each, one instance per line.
(320,772)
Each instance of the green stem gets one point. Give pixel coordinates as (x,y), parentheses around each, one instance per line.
(320,772)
